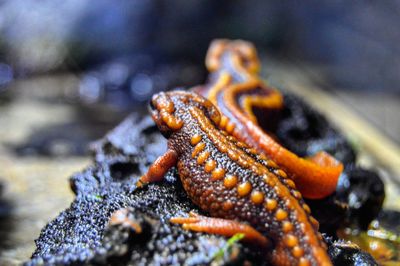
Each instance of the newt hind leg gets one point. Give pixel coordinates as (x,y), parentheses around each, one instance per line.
(219,226)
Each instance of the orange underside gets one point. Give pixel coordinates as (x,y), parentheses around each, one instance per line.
(316,177)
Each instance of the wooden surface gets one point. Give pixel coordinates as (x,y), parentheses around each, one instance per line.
(37,187)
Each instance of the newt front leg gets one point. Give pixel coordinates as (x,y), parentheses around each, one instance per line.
(159,168)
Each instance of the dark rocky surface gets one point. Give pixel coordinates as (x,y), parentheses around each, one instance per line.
(357,201)
(305,132)
(82,233)
(364,192)
(346,253)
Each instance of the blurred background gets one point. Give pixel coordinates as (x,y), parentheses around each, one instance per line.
(124,51)
(72,70)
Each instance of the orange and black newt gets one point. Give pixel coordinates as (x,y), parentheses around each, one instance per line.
(243,191)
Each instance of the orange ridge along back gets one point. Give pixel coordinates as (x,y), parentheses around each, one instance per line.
(236,89)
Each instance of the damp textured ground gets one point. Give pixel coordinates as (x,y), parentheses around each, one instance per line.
(82,235)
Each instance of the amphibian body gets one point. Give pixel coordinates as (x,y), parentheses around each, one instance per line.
(242,190)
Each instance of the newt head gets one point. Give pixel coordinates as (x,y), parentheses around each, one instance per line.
(169,109)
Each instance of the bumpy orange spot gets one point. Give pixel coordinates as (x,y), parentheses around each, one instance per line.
(244,189)
(252,151)
(171,121)
(297,194)
(257,197)
(304,262)
(230,181)
(233,155)
(198,148)
(270,179)
(272,164)
(290,183)
(195,139)
(168,106)
(306,208)
(210,165)
(231,138)
(281,173)
(279,190)
(287,226)
(243,162)
(223,148)
(297,251)
(227,205)
(291,241)
(217,174)
(241,144)
(281,214)
(203,157)
(271,204)
(230,127)
(314,222)
(223,122)
(254,168)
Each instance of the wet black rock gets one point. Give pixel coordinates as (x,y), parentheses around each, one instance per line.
(329,212)
(345,253)
(304,131)
(389,220)
(357,201)
(363,191)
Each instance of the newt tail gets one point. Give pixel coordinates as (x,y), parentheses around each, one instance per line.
(236,90)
